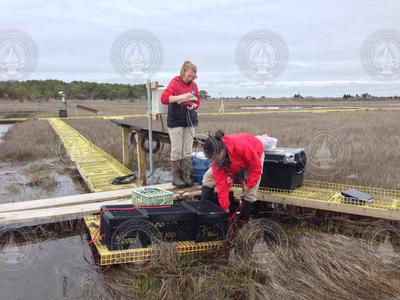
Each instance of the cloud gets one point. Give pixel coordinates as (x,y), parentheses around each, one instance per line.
(324,39)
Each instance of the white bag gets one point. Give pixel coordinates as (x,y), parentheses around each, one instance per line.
(269,143)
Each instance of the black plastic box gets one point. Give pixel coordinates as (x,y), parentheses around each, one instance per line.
(284,168)
(211,220)
(169,223)
(112,216)
(175,222)
(198,221)
(62,113)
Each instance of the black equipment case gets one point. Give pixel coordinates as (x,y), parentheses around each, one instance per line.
(62,113)
(284,168)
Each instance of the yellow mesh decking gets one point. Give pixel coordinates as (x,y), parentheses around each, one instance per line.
(107,257)
(327,196)
(96,166)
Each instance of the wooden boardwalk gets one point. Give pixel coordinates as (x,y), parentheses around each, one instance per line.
(96,166)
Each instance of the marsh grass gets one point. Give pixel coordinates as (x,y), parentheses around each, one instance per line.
(29,141)
(367,141)
(14,109)
(315,265)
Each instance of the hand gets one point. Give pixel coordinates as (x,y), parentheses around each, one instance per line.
(192,106)
(186,96)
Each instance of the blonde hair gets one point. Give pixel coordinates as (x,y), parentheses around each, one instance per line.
(188,65)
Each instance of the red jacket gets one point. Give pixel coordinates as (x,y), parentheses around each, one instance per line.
(178,113)
(244,152)
(177,87)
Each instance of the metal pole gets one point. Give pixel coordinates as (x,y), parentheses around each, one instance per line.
(150,125)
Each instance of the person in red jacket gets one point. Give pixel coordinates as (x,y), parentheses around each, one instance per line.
(183,99)
(230,154)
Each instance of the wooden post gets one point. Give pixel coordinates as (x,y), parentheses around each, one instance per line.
(154,85)
(141,158)
(155,116)
(126,160)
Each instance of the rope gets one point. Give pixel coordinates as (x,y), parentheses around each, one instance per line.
(190,123)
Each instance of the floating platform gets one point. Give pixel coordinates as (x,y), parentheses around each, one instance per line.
(107,257)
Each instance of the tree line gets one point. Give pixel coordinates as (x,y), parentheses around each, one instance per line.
(48,89)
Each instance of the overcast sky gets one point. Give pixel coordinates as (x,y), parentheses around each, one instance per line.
(74,41)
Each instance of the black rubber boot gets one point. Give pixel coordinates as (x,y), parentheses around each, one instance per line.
(186,171)
(207,193)
(246,211)
(176,175)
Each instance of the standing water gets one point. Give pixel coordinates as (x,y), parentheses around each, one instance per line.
(3,129)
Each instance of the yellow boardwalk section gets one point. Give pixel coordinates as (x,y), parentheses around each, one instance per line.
(327,196)
(96,166)
(107,257)
(12,120)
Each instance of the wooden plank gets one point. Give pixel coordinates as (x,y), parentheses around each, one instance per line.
(141,158)
(92,198)
(53,214)
(332,206)
(87,108)
(125,148)
(65,201)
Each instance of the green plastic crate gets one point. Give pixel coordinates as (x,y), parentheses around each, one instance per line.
(147,196)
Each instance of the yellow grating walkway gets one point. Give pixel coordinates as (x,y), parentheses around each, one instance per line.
(107,257)
(327,196)
(330,192)
(96,166)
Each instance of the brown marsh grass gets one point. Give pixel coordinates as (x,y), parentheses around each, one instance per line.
(32,109)
(367,141)
(30,140)
(314,265)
